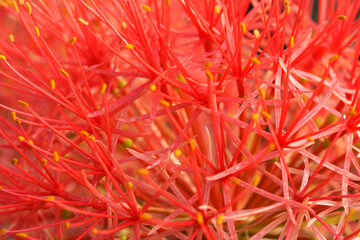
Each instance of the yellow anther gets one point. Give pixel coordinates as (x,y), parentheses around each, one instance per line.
(271,147)
(181,78)
(21,2)
(13,116)
(15,6)
(21,138)
(28,8)
(2,231)
(146,8)
(220,219)
(44,161)
(52,84)
(2,57)
(103,88)
(56,157)
(92,138)
(128,143)
(50,198)
(287,10)
(84,133)
(21,235)
(310,139)
(236,181)
(25,104)
(351,212)
(333,59)
(72,41)
(14,161)
(82,21)
(122,83)
(63,72)
(341,17)
(177,153)
(145,216)
(255,116)
(94,231)
(192,144)
(164,103)
(352,111)
(256,33)
(217,9)
(67,225)
(153,87)
(11,38)
(208,64)
(291,42)
(129,185)
(256,180)
(123,25)
(129,46)
(286,3)
(255,60)
(168,2)
(243,27)
(262,93)
(142,171)
(31,142)
(200,218)
(209,75)
(265,115)
(37,31)
(1,187)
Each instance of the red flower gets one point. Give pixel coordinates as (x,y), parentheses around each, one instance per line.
(179,120)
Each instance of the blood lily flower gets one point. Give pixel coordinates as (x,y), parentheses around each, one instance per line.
(182,119)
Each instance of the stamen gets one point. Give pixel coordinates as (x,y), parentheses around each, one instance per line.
(25,104)
(14,161)
(56,157)
(103,88)
(142,171)
(21,235)
(145,216)
(177,153)
(28,8)
(84,133)
(291,42)
(209,75)
(220,219)
(11,38)
(146,8)
(52,84)
(13,116)
(37,31)
(217,9)
(341,17)
(63,72)
(265,115)
(256,33)
(200,218)
(82,21)
(72,41)
(153,87)
(243,27)
(255,60)
(128,143)
(129,46)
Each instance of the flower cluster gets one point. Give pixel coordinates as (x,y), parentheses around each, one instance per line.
(179,119)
